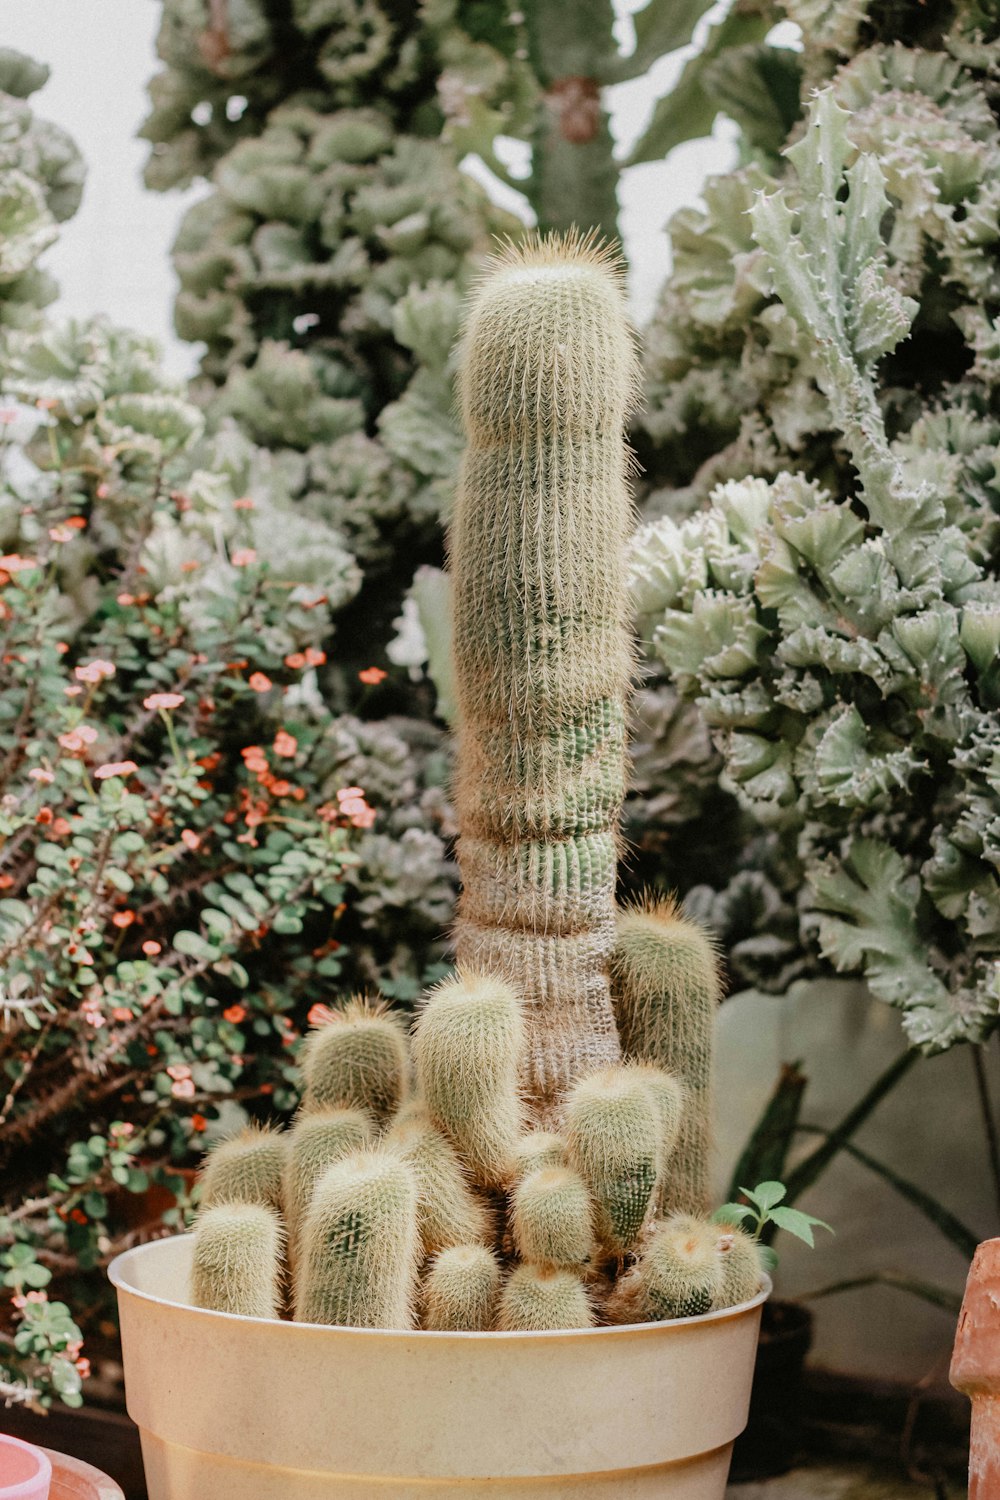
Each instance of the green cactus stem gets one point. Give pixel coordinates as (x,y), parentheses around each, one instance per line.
(679,1274)
(357,1061)
(246,1168)
(537,1299)
(538,1148)
(667,987)
(467,1048)
(461,1290)
(317,1140)
(359,1246)
(740,1257)
(552,1218)
(543,656)
(448,1211)
(236,1265)
(614,1135)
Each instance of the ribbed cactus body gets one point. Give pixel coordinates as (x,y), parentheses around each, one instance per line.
(666,982)
(467,1048)
(537,1299)
(552,1218)
(538,1148)
(246,1168)
(462,1290)
(236,1265)
(740,1258)
(542,648)
(359,1246)
(614,1135)
(448,1211)
(679,1274)
(357,1061)
(317,1140)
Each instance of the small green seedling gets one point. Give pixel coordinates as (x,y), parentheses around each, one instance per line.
(765,1207)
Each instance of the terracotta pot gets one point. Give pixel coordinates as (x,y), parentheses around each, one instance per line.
(245,1409)
(72,1480)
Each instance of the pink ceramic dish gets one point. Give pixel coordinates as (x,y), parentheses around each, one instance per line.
(25,1472)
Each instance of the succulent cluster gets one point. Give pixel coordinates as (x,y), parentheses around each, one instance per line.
(508,1166)
(821,374)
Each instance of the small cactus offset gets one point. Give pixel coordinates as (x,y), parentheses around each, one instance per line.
(614,1135)
(552,1218)
(462,1290)
(739,1253)
(246,1168)
(679,1274)
(236,1266)
(359,1246)
(543,655)
(539,1299)
(667,987)
(357,1061)
(538,1148)
(317,1140)
(448,1211)
(467,1049)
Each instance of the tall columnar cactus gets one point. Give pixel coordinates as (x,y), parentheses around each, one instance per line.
(236,1266)
(467,1049)
(247,1168)
(357,1060)
(448,1211)
(667,987)
(462,1290)
(543,656)
(359,1245)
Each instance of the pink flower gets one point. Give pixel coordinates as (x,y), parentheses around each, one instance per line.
(115,768)
(243,557)
(73,690)
(260,682)
(178,1071)
(76,740)
(319,1015)
(348,793)
(60,533)
(151,948)
(183,1090)
(94,671)
(40,774)
(244,503)
(190,839)
(14,563)
(163,701)
(285,744)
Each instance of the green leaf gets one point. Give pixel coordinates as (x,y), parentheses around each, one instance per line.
(660,27)
(195,947)
(733,1213)
(768,1258)
(765,1194)
(793,1221)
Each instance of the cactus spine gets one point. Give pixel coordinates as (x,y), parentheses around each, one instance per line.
(679,1274)
(461,1290)
(236,1266)
(537,1299)
(448,1211)
(740,1259)
(553,1218)
(542,649)
(246,1168)
(665,976)
(614,1134)
(316,1141)
(539,1148)
(467,1049)
(359,1246)
(357,1061)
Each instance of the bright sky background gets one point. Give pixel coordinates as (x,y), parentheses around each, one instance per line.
(114,256)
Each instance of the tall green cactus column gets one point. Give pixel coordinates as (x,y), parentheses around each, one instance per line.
(543,653)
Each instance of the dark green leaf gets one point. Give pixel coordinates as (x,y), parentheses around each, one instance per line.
(766,1152)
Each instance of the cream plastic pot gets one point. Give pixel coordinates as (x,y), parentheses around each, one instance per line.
(239,1408)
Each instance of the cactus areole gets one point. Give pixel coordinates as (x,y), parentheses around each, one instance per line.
(543,652)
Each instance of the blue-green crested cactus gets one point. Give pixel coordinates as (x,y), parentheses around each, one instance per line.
(835,613)
(543,655)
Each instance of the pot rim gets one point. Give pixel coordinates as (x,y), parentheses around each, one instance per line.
(118,1276)
(34,1484)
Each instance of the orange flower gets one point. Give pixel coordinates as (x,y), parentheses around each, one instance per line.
(260,682)
(234,1014)
(314,657)
(123,919)
(296,661)
(372,676)
(115,768)
(199,1123)
(121,1013)
(125,600)
(6,881)
(319,1015)
(164,702)
(151,948)
(76,523)
(285,744)
(44,815)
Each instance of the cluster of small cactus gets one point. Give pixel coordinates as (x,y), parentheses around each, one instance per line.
(535,1154)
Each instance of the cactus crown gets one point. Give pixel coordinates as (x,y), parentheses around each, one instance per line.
(357,1060)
